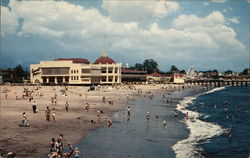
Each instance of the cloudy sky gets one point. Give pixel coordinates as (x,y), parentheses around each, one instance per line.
(205,34)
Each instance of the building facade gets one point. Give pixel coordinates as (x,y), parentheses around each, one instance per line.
(76,71)
(133,75)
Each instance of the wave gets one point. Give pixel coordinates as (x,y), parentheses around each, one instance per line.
(199,130)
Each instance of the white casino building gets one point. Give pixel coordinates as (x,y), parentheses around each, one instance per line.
(77,71)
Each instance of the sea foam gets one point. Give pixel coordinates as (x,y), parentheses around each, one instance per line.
(199,130)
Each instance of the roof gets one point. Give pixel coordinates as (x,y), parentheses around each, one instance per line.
(179,75)
(128,71)
(104,60)
(155,74)
(75,60)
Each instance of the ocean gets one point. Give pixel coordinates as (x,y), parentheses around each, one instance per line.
(212,115)
(204,134)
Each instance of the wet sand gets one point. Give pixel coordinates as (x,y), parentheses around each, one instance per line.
(34,141)
(135,137)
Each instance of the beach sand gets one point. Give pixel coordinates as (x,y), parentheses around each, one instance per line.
(34,141)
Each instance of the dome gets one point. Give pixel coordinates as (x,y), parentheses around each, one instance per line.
(104,59)
(75,60)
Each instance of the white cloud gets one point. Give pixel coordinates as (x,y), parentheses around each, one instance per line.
(77,28)
(9,21)
(184,21)
(126,11)
(213,25)
(218,1)
(234,20)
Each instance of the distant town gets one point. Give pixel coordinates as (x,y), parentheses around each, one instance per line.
(79,71)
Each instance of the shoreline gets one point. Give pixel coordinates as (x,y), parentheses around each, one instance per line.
(175,132)
(187,147)
(35,139)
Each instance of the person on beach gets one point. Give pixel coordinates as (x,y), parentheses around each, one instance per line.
(34,107)
(53,114)
(98,114)
(175,114)
(103,99)
(87,107)
(109,122)
(53,145)
(157,116)
(186,115)
(66,106)
(76,153)
(47,114)
(70,151)
(148,116)
(24,120)
(129,111)
(52,100)
(59,146)
(123,113)
(110,101)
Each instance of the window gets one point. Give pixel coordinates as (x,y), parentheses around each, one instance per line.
(77,78)
(110,69)
(103,79)
(104,69)
(110,78)
(116,70)
(87,71)
(55,71)
(71,77)
(72,71)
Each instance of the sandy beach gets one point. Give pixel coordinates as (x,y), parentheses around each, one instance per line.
(34,141)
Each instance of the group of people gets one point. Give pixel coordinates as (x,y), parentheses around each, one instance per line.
(50,112)
(156,118)
(58,150)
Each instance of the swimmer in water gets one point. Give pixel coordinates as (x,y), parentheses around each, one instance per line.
(156,116)
(164,123)
(148,116)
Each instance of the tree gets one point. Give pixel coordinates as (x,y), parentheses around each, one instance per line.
(150,66)
(228,72)
(139,67)
(174,69)
(245,71)
(183,72)
(19,73)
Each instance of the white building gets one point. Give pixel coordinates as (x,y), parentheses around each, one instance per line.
(179,78)
(77,71)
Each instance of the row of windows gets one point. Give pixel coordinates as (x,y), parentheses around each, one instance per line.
(74,78)
(74,71)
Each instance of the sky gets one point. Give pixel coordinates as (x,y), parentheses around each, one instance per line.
(205,34)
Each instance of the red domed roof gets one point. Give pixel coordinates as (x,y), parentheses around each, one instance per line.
(75,60)
(104,60)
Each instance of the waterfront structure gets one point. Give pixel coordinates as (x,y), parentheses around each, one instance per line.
(7,75)
(110,70)
(179,78)
(133,75)
(76,71)
(192,73)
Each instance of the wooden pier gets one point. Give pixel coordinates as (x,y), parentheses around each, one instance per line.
(219,82)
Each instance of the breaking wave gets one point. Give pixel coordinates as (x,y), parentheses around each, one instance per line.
(199,130)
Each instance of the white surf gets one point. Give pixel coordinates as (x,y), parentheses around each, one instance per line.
(199,130)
